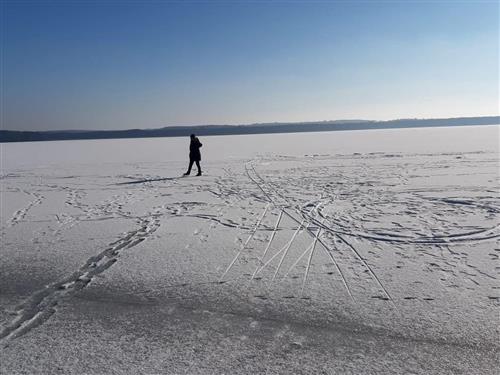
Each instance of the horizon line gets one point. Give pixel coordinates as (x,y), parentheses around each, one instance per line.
(252,124)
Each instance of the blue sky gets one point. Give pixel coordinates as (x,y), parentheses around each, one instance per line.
(128,64)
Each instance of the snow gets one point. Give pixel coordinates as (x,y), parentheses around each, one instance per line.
(221,148)
(362,252)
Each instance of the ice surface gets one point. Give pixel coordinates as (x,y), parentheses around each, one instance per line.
(226,148)
(352,252)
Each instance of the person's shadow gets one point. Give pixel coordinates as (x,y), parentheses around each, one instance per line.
(148,180)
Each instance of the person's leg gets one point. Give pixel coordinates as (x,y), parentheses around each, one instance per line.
(191,161)
(198,166)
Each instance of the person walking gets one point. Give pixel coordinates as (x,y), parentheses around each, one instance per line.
(194,155)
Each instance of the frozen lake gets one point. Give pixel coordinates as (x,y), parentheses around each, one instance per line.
(220,148)
(340,252)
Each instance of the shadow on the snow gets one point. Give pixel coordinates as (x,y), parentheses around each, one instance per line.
(148,180)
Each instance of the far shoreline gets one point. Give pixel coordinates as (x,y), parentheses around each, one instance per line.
(13,136)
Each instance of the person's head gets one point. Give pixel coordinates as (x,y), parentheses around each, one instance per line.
(192,136)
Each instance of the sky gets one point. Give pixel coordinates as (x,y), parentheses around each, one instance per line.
(130,64)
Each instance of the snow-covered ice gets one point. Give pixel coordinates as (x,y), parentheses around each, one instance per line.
(341,252)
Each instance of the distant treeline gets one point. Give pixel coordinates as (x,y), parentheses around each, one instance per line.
(180,131)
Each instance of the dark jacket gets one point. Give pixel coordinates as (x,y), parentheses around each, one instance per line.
(194,149)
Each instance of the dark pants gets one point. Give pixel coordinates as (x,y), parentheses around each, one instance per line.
(191,161)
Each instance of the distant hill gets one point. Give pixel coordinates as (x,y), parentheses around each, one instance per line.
(264,128)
